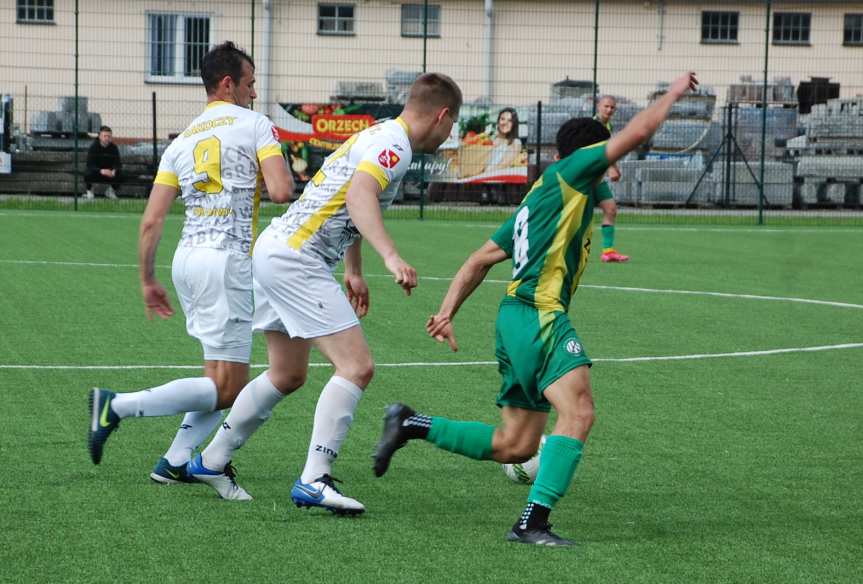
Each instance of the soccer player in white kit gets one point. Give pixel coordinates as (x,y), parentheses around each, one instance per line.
(299,304)
(216,166)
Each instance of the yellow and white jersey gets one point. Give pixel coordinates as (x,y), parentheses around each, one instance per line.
(318,223)
(215,164)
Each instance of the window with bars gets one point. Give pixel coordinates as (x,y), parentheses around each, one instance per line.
(853,30)
(719,27)
(336,19)
(35,10)
(412,20)
(176,44)
(791,28)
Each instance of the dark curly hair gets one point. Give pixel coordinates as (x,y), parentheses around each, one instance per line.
(578,133)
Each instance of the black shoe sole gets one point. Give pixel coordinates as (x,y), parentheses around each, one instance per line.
(337,512)
(392,437)
(95,453)
(534,537)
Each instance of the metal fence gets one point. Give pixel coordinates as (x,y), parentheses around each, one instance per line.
(775,133)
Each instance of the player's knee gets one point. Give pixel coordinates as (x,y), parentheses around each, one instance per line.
(287,381)
(359,372)
(511,448)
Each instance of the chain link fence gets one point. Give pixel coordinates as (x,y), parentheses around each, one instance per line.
(774,134)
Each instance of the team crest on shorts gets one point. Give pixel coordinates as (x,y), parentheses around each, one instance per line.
(573,347)
(388,158)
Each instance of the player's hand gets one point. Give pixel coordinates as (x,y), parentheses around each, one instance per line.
(440,328)
(105,172)
(683,84)
(156,300)
(358,294)
(405,276)
(613,174)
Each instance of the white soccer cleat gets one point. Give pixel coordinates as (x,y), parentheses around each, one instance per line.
(224,482)
(322,492)
(109,193)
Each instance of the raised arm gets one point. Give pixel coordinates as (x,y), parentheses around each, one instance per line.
(365,211)
(152,223)
(469,276)
(642,126)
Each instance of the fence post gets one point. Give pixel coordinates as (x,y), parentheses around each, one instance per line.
(425,65)
(764,113)
(538,139)
(75,122)
(595,51)
(155,138)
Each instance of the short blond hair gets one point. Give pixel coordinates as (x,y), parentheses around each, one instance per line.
(433,91)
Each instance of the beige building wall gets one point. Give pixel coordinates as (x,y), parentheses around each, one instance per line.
(535,44)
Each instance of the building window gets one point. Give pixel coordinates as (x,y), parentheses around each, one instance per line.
(336,19)
(853,29)
(412,20)
(791,28)
(35,10)
(719,27)
(176,43)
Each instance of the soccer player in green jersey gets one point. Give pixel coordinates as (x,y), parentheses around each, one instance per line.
(541,357)
(605,108)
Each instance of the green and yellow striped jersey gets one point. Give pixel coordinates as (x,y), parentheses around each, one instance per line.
(548,236)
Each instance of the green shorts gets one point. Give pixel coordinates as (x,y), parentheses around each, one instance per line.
(532,355)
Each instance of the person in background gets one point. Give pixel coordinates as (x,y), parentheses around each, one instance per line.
(604,111)
(103,164)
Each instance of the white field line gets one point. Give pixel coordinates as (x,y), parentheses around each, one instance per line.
(493,281)
(432,364)
(490,225)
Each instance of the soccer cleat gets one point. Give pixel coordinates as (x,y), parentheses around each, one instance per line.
(109,193)
(537,536)
(103,421)
(611,255)
(394,436)
(88,195)
(223,482)
(167,474)
(322,492)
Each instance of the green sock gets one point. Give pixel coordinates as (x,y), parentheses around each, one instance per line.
(607,237)
(557,463)
(471,439)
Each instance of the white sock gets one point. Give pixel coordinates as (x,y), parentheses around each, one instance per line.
(193,431)
(252,408)
(175,397)
(333,416)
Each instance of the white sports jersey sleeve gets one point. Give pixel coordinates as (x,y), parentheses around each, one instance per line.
(319,223)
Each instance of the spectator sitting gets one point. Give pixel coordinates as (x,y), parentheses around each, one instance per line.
(103,164)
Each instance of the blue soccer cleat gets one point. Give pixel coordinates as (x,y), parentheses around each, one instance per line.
(167,474)
(103,421)
(223,482)
(322,492)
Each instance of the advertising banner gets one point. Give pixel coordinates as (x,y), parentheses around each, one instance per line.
(486,144)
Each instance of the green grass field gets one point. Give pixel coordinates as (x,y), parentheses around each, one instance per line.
(740,461)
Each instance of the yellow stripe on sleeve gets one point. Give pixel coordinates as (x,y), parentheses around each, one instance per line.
(269,151)
(314,223)
(169,179)
(378,174)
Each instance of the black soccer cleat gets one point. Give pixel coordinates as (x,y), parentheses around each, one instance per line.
(541,535)
(394,436)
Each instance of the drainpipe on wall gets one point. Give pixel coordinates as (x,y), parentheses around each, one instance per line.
(265,65)
(488,41)
(660,37)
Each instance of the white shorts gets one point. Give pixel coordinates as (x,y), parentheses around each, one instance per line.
(296,293)
(215,291)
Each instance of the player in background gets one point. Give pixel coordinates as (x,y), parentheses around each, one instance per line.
(215,165)
(604,111)
(299,304)
(541,358)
